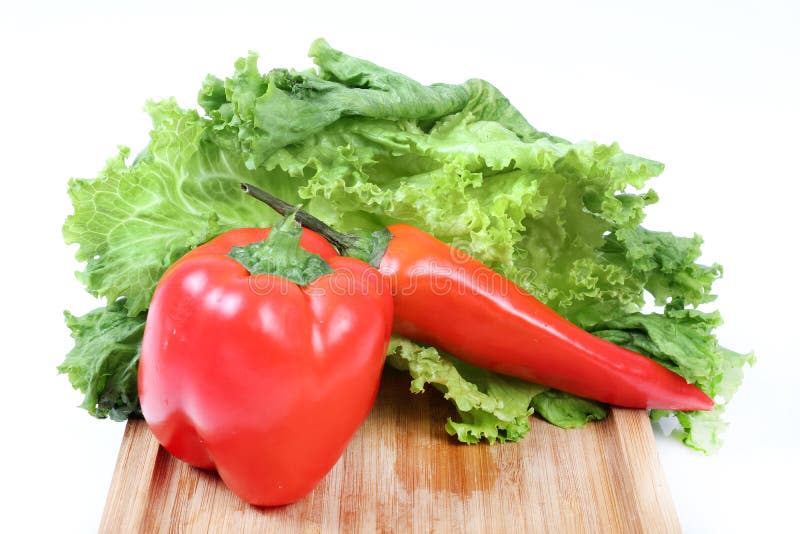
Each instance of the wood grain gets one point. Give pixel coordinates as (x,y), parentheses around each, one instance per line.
(402,473)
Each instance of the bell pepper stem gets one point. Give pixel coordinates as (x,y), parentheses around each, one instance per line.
(281,255)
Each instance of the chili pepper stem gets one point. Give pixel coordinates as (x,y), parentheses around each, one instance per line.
(342,242)
(369,248)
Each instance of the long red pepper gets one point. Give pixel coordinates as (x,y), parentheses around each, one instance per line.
(447,299)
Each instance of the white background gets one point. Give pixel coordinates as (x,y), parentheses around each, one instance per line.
(709,88)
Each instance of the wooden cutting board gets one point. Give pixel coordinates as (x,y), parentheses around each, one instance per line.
(402,473)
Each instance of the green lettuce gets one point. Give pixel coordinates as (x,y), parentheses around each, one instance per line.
(134,221)
(490,406)
(362,147)
(104,362)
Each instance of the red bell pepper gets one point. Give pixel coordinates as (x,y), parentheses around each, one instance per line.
(262,357)
(447,299)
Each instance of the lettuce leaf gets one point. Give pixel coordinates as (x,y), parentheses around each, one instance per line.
(362,147)
(490,406)
(104,362)
(134,221)
(568,411)
(683,341)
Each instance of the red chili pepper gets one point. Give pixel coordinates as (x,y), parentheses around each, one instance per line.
(263,377)
(447,299)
